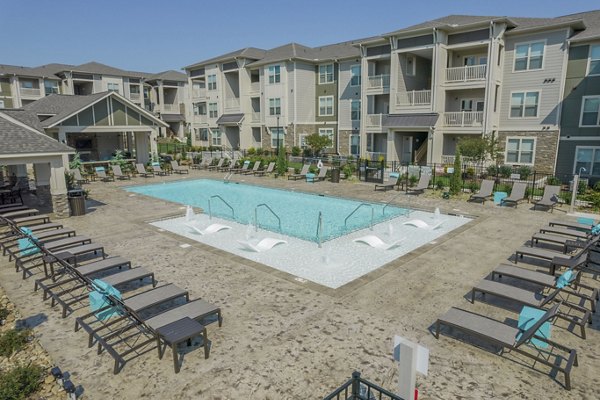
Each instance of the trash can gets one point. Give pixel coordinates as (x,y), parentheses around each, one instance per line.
(76,202)
(335,175)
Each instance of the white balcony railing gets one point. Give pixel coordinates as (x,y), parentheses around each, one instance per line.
(378,82)
(467,73)
(135,96)
(232,103)
(198,93)
(255,87)
(373,121)
(414,98)
(256,116)
(170,108)
(30,92)
(464,118)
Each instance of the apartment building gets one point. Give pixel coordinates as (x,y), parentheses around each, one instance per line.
(163,94)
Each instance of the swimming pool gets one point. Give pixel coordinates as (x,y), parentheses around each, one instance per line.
(290,213)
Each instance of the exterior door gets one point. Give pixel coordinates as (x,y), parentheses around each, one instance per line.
(407,147)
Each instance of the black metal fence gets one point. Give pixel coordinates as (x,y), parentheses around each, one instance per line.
(357,388)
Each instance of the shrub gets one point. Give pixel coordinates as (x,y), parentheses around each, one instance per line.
(492,170)
(524,172)
(473,186)
(593,198)
(553,180)
(20,382)
(349,170)
(296,151)
(412,180)
(13,340)
(251,151)
(439,184)
(3,313)
(505,171)
(281,161)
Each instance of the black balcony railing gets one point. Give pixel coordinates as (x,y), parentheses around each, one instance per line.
(357,388)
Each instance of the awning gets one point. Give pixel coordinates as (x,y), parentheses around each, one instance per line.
(172,117)
(230,119)
(409,120)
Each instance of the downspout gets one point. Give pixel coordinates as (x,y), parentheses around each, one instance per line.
(295,103)
(487,96)
(337,82)
(561,97)
(434,78)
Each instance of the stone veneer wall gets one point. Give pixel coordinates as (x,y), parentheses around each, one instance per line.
(546,145)
(60,206)
(344,141)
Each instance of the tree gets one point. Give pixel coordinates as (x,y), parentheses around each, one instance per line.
(282,164)
(474,148)
(455,178)
(317,142)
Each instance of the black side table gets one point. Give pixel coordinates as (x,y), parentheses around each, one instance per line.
(180,331)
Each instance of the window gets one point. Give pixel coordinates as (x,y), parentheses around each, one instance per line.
(26,84)
(355,145)
(355,110)
(216,137)
(355,71)
(212,82)
(594,66)
(275,106)
(327,132)
(200,108)
(196,133)
(212,110)
(325,73)
(204,134)
(274,74)
(277,134)
(590,111)
(587,158)
(529,56)
(113,87)
(520,150)
(471,105)
(1,103)
(524,104)
(51,87)
(411,64)
(325,106)
(134,89)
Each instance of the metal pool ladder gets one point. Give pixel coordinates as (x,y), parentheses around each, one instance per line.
(223,200)
(256,216)
(407,214)
(319,228)
(356,209)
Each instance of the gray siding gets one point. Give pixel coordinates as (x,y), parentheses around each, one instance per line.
(414,41)
(347,93)
(465,37)
(305,93)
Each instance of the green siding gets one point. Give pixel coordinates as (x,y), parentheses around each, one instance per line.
(146,121)
(71,121)
(8,103)
(4,87)
(101,111)
(118,113)
(133,117)
(86,118)
(328,89)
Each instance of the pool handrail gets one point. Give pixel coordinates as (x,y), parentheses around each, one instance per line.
(356,209)
(319,228)
(223,200)
(256,216)
(390,202)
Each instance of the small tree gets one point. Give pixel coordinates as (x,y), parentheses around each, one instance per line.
(474,148)
(282,164)
(75,163)
(317,142)
(455,178)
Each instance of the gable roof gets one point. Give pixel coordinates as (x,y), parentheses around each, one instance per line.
(288,51)
(94,67)
(170,75)
(18,138)
(62,106)
(591,19)
(247,52)
(29,118)
(19,71)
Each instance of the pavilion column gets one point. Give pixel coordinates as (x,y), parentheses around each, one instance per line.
(142,146)
(42,183)
(58,191)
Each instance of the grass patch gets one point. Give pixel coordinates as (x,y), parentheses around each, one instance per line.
(20,382)
(13,340)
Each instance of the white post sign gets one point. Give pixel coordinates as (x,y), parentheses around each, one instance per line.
(412,358)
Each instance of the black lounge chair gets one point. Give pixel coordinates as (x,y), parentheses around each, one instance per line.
(179,169)
(301,175)
(549,199)
(421,185)
(485,191)
(517,194)
(507,338)
(390,186)
(141,170)
(263,172)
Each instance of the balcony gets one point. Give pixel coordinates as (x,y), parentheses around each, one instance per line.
(467,73)
(255,116)
(414,98)
(199,93)
(376,82)
(232,104)
(255,87)
(30,92)
(464,119)
(373,122)
(171,108)
(135,96)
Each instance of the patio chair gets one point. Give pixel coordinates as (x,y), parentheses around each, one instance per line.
(485,191)
(141,170)
(421,185)
(302,174)
(79,179)
(205,162)
(564,241)
(263,245)
(390,186)
(322,175)
(376,242)
(118,174)
(242,169)
(549,199)
(228,166)
(574,233)
(585,227)
(179,169)
(157,170)
(252,171)
(216,166)
(517,194)
(549,254)
(537,299)
(525,341)
(101,173)
(269,170)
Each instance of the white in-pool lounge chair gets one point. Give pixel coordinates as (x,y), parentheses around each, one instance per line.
(377,243)
(419,223)
(213,228)
(264,245)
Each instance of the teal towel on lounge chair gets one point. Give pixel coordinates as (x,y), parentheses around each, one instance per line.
(564,279)
(28,246)
(527,318)
(588,221)
(99,300)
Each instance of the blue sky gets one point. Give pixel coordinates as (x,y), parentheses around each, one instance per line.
(153,35)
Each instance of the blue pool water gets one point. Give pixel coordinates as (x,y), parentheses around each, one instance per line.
(298,212)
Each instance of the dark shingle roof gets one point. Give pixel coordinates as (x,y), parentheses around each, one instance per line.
(27,117)
(19,71)
(19,139)
(94,67)
(591,19)
(288,51)
(248,52)
(448,20)
(170,75)
(61,105)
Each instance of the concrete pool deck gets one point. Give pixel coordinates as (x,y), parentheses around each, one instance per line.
(283,339)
